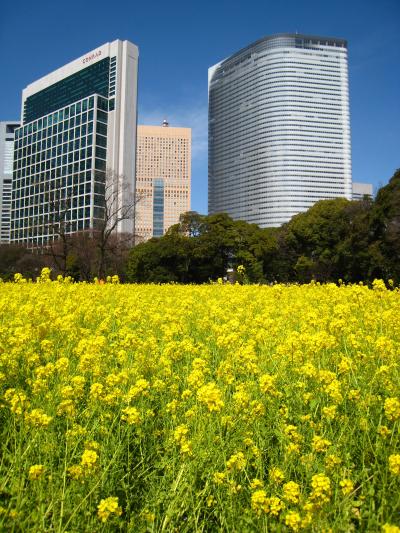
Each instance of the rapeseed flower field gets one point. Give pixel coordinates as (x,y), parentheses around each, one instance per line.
(199,408)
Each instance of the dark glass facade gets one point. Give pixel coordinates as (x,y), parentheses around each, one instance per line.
(158,208)
(91,80)
(59,172)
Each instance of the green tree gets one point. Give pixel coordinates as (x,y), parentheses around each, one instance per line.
(385,230)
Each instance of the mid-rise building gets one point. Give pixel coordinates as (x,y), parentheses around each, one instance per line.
(76,145)
(6,171)
(279,128)
(162,178)
(362,190)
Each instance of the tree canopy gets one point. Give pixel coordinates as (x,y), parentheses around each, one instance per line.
(335,239)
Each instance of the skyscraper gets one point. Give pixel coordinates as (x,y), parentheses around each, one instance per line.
(78,128)
(362,190)
(6,170)
(279,128)
(162,178)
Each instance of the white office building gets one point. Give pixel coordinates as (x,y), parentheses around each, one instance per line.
(77,143)
(6,170)
(279,128)
(362,191)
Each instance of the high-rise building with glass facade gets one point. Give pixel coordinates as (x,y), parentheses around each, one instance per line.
(6,171)
(76,145)
(279,128)
(162,178)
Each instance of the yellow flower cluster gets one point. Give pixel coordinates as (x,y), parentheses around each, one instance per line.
(210,395)
(321,489)
(392,408)
(107,507)
(36,472)
(260,503)
(394,464)
(180,437)
(131,415)
(291,492)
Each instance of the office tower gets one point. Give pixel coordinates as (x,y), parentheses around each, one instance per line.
(279,129)
(362,190)
(76,146)
(6,171)
(162,178)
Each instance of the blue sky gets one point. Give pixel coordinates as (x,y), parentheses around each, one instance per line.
(178,40)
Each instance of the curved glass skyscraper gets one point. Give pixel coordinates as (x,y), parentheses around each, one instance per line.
(279,128)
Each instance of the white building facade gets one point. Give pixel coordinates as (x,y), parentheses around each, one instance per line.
(279,128)
(362,191)
(7,129)
(76,146)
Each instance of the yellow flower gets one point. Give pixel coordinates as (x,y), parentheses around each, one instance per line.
(89,459)
(187,393)
(389,528)
(321,489)
(291,432)
(276,475)
(75,432)
(347,486)
(291,491)
(394,464)
(392,408)
(219,477)
(261,504)
(38,418)
(236,462)
(267,385)
(329,412)
(331,461)
(211,396)
(67,408)
(292,448)
(131,415)
(384,431)
(354,394)
(92,445)
(256,484)
(96,391)
(62,364)
(180,438)
(36,472)
(344,365)
(319,444)
(75,472)
(18,401)
(108,506)
(333,390)
(293,520)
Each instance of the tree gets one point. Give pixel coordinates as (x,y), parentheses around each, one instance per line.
(200,248)
(18,259)
(118,206)
(314,238)
(59,248)
(102,248)
(385,229)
